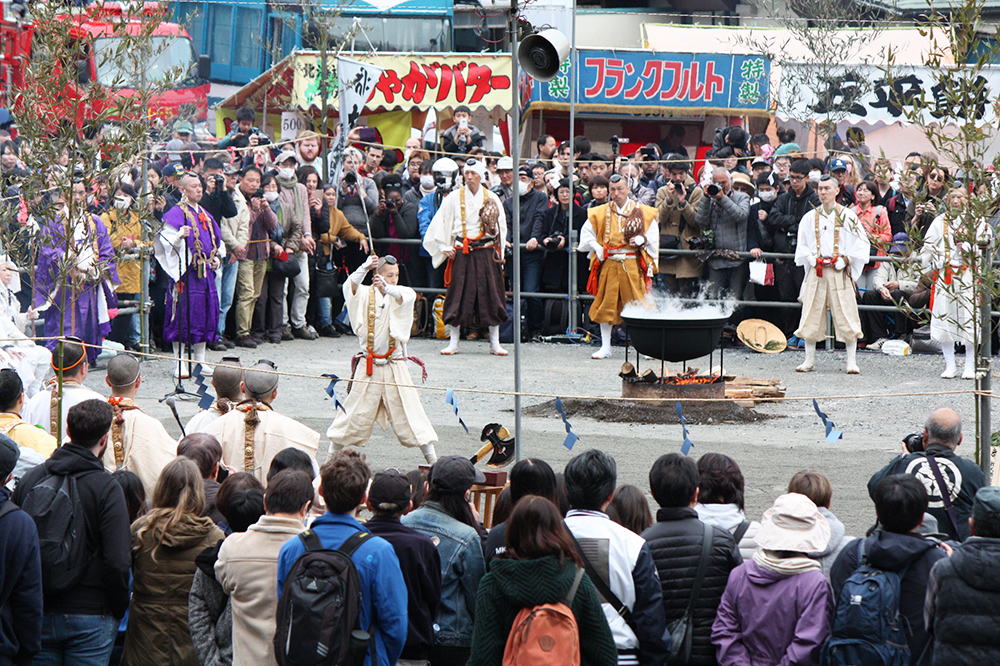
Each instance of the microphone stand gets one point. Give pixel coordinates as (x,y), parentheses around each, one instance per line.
(179,390)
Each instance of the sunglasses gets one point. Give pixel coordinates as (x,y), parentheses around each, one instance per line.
(939,179)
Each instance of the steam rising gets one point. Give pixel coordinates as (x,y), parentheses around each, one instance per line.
(661,305)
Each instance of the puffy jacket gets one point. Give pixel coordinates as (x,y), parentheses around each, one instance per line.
(462,566)
(513,585)
(768,618)
(158,631)
(104,588)
(675,542)
(963,604)
(894,552)
(210,614)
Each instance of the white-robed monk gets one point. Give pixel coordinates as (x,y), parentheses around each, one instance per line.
(31,361)
(833,248)
(951,247)
(227,380)
(139,442)
(43,409)
(252,433)
(382,315)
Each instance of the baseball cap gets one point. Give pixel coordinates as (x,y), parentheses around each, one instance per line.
(173,169)
(899,242)
(183,127)
(454,474)
(390,491)
(986,504)
(173,148)
(9,454)
(760,159)
(526,171)
(505,163)
(837,164)
(284,156)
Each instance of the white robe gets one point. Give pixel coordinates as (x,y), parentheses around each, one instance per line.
(398,402)
(31,361)
(445,228)
(274,433)
(36,411)
(954,316)
(148,448)
(200,421)
(833,290)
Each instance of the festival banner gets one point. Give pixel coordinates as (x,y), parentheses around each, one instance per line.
(412,81)
(653,82)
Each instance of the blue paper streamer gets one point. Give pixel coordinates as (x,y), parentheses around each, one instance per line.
(449,397)
(332,392)
(206,400)
(832,435)
(687,443)
(571,437)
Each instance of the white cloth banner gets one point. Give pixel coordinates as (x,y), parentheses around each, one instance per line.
(942,96)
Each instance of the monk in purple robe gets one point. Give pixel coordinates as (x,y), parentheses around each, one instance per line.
(75,276)
(189,249)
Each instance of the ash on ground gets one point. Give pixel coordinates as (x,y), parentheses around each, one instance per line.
(625,411)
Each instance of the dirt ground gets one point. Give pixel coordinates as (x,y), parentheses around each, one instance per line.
(769,450)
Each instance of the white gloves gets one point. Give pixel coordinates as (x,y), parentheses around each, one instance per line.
(358,276)
(811,260)
(840,264)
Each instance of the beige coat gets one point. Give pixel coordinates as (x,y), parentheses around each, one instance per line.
(247,569)
(670,225)
(236,230)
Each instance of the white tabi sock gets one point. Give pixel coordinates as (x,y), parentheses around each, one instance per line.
(810,362)
(199,357)
(970,362)
(180,351)
(852,358)
(430,455)
(456,335)
(605,350)
(948,351)
(495,341)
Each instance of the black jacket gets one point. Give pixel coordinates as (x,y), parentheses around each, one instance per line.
(894,552)
(783,222)
(421,565)
(104,588)
(963,604)
(219,204)
(20,587)
(765,237)
(555,222)
(675,543)
(951,466)
(534,206)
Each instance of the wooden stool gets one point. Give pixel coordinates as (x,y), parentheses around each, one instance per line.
(487,495)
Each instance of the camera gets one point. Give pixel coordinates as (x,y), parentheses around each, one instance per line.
(914,442)
(616,144)
(259,194)
(648,152)
(712,190)
(220,182)
(552,243)
(679,187)
(351,178)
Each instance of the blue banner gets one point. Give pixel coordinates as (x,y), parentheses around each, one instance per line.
(652,79)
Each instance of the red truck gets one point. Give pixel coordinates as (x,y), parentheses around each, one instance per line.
(102,26)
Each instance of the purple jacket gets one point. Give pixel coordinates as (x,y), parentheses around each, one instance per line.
(771,619)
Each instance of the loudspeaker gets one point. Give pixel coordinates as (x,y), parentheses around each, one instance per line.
(541,54)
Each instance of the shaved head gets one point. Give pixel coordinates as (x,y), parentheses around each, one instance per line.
(226,380)
(123,370)
(260,381)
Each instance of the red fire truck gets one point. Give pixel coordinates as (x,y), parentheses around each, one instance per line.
(102,26)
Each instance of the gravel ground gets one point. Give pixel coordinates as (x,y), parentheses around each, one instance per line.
(769,451)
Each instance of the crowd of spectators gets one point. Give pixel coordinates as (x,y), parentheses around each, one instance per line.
(192,576)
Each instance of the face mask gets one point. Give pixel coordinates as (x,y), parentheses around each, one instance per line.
(523,187)
(768,196)
(286,173)
(427,182)
(814,176)
(271,197)
(122,202)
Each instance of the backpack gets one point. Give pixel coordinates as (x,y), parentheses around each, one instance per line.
(54,504)
(319,612)
(867,626)
(546,634)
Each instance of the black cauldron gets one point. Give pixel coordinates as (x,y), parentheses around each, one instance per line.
(675,340)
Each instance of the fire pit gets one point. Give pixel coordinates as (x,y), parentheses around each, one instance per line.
(677,340)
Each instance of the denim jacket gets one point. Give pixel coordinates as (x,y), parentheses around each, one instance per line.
(462,566)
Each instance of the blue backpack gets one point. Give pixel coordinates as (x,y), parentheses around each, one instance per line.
(868,629)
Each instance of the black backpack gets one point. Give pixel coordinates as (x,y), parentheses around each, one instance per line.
(54,504)
(318,618)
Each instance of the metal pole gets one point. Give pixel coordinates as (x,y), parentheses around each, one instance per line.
(984,383)
(574,303)
(515,224)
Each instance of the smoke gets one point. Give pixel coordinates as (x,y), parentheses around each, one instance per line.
(663,305)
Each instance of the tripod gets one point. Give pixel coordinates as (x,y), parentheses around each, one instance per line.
(179,390)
